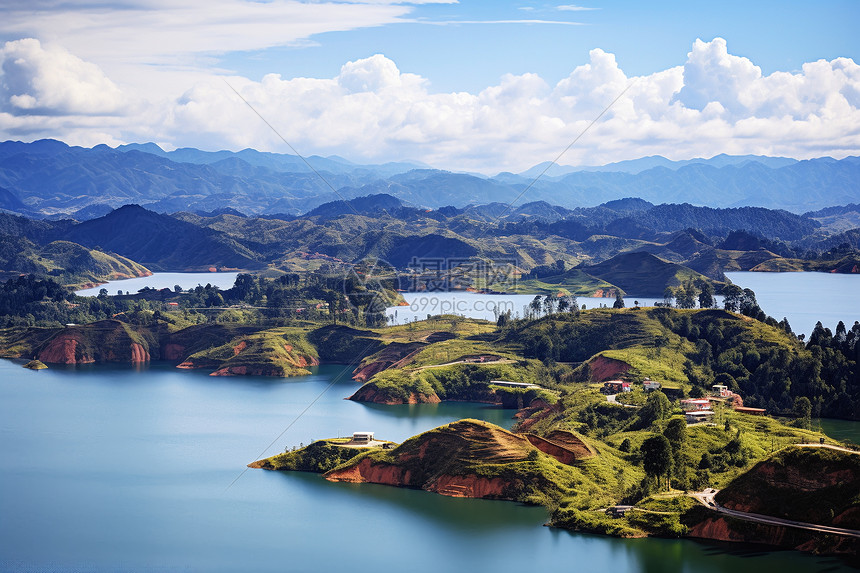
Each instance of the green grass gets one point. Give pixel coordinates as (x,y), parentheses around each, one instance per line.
(320,457)
(573,281)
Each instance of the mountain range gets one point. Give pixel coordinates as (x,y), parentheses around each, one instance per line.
(540,240)
(48,178)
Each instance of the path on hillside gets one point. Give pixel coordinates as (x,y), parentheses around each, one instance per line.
(611,399)
(829,447)
(485,363)
(706,498)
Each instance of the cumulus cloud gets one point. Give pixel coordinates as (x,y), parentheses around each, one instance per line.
(50,81)
(372,111)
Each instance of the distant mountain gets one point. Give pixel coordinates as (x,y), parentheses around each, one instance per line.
(281,162)
(51,179)
(10,202)
(671,218)
(628,204)
(371,204)
(634,166)
(161,242)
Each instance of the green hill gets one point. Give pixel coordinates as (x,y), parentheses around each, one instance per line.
(642,274)
(572,281)
(162,242)
(68,263)
(816,485)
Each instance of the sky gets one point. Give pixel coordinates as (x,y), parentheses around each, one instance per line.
(468,86)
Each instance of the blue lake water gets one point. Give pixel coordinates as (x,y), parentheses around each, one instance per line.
(805,298)
(110,468)
(164,280)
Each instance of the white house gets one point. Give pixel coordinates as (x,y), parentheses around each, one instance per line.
(362,437)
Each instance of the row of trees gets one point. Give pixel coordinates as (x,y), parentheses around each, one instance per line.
(32,301)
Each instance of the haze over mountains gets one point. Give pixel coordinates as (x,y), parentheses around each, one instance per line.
(47,178)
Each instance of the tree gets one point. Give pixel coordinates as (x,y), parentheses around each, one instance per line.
(732,297)
(803,411)
(535,304)
(676,433)
(549,304)
(685,295)
(572,303)
(749,305)
(544,349)
(668,296)
(706,294)
(657,407)
(657,456)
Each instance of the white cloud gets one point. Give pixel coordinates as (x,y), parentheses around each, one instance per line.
(51,81)
(372,111)
(574,8)
(156,47)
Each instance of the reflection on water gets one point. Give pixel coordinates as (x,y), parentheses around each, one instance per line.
(461,514)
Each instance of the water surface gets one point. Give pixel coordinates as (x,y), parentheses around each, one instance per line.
(108,468)
(805,298)
(164,280)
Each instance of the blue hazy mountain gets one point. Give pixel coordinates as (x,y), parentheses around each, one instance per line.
(48,178)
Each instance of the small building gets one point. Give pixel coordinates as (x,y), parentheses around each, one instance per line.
(698,416)
(648,385)
(618,510)
(695,404)
(362,437)
(615,387)
(752,411)
(721,391)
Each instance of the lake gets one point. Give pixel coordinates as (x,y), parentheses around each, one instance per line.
(805,298)
(110,468)
(164,280)
(483,306)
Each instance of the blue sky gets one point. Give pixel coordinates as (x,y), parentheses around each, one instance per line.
(644,36)
(481,86)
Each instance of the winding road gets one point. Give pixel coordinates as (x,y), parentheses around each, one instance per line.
(706,498)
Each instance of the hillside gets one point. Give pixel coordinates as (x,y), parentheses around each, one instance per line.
(69,263)
(641,274)
(161,242)
(815,485)
(468,458)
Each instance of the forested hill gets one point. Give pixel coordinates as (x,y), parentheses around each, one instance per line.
(47,178)
(541,241)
